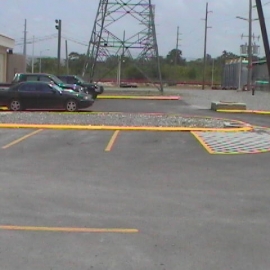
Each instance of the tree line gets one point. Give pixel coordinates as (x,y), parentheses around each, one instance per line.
(174,67)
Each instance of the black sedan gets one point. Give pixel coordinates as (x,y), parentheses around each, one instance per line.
(90,88)
(42,95)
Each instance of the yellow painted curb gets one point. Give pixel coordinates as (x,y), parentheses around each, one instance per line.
(202,142)
(141,97)
(66,229)
(245,111)
(123,128)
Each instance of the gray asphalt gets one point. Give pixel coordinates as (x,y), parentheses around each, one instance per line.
(193,210)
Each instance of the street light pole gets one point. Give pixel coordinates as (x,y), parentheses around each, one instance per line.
(33,52)
(40,59)
(58,26)
(40,62)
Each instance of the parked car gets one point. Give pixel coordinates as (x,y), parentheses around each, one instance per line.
(45,77)
(43,95)
(90,88)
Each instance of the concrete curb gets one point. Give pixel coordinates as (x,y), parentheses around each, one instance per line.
(122,128)
(245,111)
(140,97)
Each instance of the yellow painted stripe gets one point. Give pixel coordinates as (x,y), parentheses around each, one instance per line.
(126,128)
(112,141)
(21,139)
(245,111)
(140,97)
(233,111)
(202,142)
(66,229)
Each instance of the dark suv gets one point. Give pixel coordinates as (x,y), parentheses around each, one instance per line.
(44,77)
(90,88)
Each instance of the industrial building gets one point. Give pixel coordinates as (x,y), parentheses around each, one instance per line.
(6,45)
(260,75)
(235,73)
(9,63)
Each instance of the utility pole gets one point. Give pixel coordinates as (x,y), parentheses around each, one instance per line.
(177,46)
(33,52)
(67,62)
(205,44)
(264,35)
(24,44)
(213,72)
(40,59)
(58,26)
(249,85)
(250,49)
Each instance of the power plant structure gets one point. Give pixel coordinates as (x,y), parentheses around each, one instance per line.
(124,31)
(235,71)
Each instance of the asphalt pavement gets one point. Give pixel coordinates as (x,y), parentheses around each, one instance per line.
(131,200)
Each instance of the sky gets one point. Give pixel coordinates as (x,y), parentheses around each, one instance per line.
(78,18)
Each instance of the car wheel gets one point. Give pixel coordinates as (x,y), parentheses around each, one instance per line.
(71,105)
(15,105)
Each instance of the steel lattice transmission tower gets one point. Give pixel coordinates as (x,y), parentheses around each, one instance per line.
(125,28)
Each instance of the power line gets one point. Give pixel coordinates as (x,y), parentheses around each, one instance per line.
(37,40)
(75,41)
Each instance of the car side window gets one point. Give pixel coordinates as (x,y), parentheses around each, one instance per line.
(45,79)
(28,88)
(44,88)
(63,79)
(71,80)
(31,78)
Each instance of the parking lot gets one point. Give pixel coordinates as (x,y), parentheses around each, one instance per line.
(130,200)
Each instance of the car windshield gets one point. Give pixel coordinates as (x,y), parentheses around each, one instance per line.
(56,87)
(55,79)
(80,79)
(16,78)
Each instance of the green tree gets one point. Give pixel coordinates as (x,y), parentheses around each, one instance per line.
(175,56)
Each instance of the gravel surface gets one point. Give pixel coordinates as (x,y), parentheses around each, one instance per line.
(114,119)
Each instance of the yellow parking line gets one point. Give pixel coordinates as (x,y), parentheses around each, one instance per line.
(22,139)
(112,141)
(66,229)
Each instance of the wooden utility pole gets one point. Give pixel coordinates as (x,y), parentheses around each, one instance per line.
(205,44)
(67,60)
(24,43)
(177,46)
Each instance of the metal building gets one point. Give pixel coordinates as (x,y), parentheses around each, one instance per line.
(6,44)
(235,73)
(260,75)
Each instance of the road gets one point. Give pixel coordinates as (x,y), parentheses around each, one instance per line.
(131,200)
